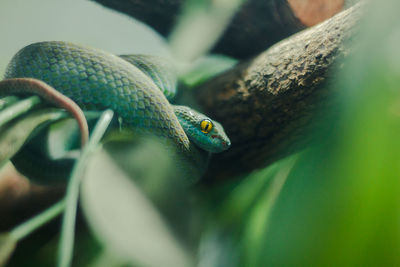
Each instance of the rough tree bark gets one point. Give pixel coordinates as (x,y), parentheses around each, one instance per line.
(258,24)
(268,104)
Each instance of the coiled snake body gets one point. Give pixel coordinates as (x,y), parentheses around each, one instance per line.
(97,80)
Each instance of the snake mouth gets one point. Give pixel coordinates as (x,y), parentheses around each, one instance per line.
(225,144)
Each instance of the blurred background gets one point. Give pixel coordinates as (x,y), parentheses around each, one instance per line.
(335,203)
(23,22)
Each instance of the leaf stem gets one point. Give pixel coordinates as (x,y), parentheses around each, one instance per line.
(68,224)
(27,227)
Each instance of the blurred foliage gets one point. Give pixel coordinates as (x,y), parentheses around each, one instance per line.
(197,20)
(124,220)
(7,246)
(205,68)
(337,203)
(15,134)
(340,204)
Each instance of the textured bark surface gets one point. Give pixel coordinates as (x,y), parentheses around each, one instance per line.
(268,104)
(258,25)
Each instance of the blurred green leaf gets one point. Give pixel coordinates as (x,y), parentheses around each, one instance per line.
(138,156)
(124,220)
(341,203)
(15,134)
(18,108)
(256,224)
(105,258)
(55,149)
(242,217)
(218,247)
(7,246)
(7,101)
(63,137)
(200,25)
(245,195)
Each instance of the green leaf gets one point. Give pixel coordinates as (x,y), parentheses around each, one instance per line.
(17,109)
(340,204)
(55,149)
(7,101)
(200,26)
(124,220)
(7,247)
(63,137)
(15,134)
(243,217)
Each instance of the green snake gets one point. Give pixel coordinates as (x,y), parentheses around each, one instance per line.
(74,77)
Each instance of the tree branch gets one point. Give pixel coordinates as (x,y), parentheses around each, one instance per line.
(268,104)
(257,25)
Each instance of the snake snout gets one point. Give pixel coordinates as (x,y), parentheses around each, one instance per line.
(227,144)
(224,143)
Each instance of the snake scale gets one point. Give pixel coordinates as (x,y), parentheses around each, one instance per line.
(75,77)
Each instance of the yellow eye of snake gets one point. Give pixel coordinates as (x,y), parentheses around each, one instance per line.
(206,126)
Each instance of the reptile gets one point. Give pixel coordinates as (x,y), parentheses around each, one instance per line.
(136,88)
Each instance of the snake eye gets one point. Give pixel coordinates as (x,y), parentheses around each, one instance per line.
(206,126)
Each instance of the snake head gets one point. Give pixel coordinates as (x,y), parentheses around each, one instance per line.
(201,130)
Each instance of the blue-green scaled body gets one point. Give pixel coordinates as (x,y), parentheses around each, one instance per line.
(97,80)
(159,69)
(135,87)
